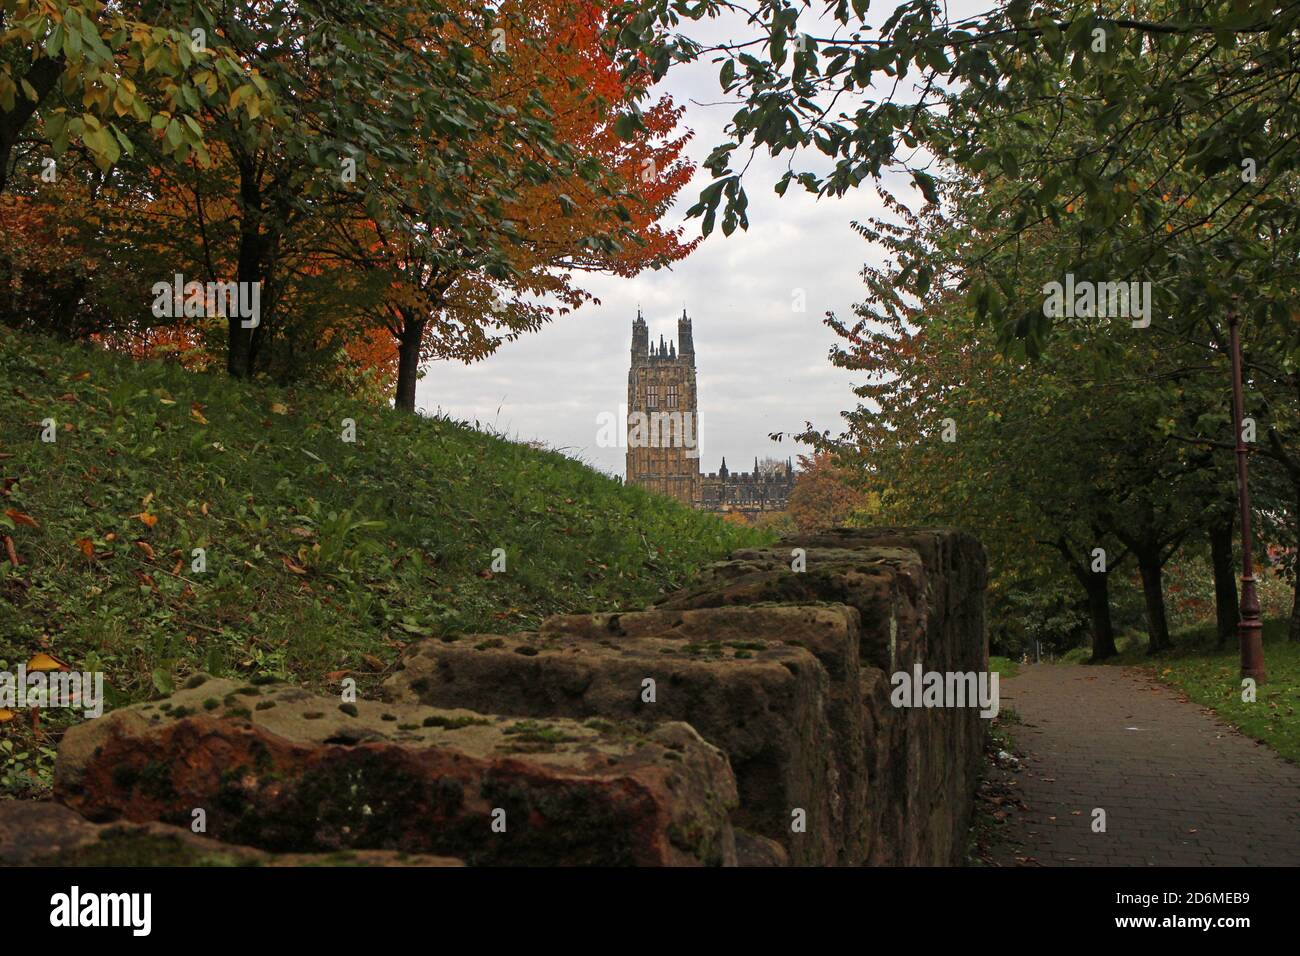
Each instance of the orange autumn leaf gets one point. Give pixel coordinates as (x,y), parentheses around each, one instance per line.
(87,547)
(19,518)
(148,519)
(45,662)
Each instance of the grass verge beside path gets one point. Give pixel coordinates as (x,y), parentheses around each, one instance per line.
(1209,675)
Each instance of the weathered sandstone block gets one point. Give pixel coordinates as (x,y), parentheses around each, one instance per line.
(761,701)
(941,747)
(48,834)
(885,586)
(830,632)
(281,769)
(920,596)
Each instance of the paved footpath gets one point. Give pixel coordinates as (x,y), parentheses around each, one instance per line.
(1179,787)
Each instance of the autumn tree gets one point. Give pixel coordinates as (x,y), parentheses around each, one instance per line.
(97,76)
(826,494)
(379,114)
(601,213)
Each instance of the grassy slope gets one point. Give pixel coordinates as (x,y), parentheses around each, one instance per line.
(321,555)
(1209,675)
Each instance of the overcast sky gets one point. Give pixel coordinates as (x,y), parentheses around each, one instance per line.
(762,367)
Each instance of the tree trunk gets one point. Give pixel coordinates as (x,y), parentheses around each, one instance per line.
(256,254)
(250,268)
(42,77)
(1103,633)
(1226,611)
(408,363)
(239,349)
(1293,629)
(1153,593)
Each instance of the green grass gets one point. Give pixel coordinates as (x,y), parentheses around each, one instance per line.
(1004,667)
(321,555)
(1210,677)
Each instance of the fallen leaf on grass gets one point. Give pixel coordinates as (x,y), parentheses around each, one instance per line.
(19,518)
(46,662)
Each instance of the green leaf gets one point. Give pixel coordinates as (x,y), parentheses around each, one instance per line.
(627,125)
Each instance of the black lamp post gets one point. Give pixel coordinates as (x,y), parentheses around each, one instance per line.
(1249,627)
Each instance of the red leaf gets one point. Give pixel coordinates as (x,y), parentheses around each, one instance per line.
(19,518)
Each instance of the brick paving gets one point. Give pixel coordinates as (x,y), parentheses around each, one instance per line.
(1179,787)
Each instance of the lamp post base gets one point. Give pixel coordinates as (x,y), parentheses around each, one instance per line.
(1250,632)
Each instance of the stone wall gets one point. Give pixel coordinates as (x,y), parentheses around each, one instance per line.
(919,597)
(745,719)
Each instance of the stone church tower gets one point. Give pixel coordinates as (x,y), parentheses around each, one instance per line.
(663,451)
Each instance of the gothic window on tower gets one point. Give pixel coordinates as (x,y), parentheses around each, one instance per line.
(672,396)
(652,396)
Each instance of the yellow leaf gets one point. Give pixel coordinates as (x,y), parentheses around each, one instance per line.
(44,662)
(279,409)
